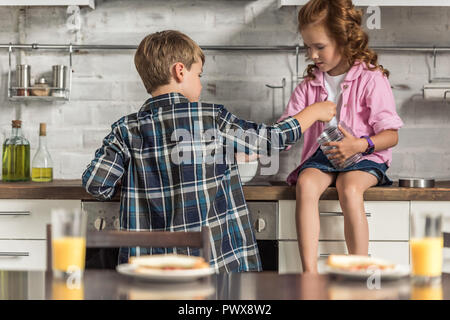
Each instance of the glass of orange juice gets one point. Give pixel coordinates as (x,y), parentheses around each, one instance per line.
(426,245)
(68,243)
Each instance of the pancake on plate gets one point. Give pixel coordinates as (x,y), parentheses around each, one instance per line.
(357,263)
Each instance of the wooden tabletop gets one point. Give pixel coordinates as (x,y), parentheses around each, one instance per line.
(281,191)
(111,285)
(72,189)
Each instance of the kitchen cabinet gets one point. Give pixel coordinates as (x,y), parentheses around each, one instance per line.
(23,231)
(383,3)
(81,3)
(388,232)
(388,220)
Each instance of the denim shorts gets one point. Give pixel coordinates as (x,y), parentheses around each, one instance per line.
(320,161)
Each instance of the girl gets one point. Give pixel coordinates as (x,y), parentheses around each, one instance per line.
(346,72)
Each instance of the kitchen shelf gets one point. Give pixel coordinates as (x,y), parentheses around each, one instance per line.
(64,93)
(14,97)
(73,48)
(80,3)
(381,3)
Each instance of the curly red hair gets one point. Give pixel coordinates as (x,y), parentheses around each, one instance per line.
(343,23)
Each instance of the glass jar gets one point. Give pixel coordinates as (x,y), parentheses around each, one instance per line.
(41,88)
(16,155)
(333,134)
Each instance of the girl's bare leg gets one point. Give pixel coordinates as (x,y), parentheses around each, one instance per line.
(351,187)
(311,184)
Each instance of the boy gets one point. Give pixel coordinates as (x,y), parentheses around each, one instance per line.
(173,175)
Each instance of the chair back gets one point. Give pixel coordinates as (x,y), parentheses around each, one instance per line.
(159,239)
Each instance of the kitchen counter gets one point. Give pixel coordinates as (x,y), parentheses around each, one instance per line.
(110,285)
(273,191)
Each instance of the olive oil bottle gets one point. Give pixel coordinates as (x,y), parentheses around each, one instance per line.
(16,155)
(42,165)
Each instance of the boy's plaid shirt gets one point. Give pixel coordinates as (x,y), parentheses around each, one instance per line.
(179,184)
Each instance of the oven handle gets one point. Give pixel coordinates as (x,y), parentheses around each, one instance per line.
(14,254)
(339,214)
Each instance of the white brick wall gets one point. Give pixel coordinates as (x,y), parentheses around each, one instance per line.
(106,85)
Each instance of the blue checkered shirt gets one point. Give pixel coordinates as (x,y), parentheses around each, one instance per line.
(170,162)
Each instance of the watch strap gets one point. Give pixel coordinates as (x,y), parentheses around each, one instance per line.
(370,148)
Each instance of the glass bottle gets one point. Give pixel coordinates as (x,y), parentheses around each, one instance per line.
(16,155)
(42,165)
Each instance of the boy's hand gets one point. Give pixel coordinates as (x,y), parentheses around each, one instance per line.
(325,110)
(243,157)
(321,111)
(345,148)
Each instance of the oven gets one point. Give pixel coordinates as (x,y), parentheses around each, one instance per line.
(264,218)
(106,215)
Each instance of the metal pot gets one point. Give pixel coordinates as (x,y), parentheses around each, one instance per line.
(416,183)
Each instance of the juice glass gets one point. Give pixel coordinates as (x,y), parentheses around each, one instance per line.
(426,247)
(427,292)
(68,242)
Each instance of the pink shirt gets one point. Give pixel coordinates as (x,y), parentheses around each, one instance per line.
(368,107)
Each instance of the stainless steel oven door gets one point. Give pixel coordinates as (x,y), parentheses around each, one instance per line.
(264,218)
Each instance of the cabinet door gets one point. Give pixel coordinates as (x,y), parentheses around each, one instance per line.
(290,261)
(27,219)
(23,254)
(388,220)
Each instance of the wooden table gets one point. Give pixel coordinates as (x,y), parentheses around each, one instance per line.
(110,285)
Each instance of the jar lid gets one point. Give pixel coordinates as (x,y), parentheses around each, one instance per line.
(16,123)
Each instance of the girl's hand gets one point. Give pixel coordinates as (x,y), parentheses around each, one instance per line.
(345,148)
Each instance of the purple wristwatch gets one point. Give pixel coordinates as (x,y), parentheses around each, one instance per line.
(371,148)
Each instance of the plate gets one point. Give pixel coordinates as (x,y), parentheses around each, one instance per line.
(164,275)
(198,290)
(399,271)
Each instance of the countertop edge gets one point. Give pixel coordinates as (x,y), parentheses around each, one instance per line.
(73,190)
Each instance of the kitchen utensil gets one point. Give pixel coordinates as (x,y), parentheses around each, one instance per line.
(59,76)
(247,170)
(437,90)
(283,85)
(368,268)
(416,183)
(23,72)
(179,268)
(59,80)
(40,88)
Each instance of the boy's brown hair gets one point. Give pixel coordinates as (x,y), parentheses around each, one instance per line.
(158,51)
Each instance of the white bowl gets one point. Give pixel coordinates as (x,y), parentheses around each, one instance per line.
(247,170)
